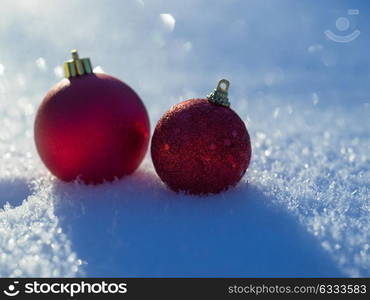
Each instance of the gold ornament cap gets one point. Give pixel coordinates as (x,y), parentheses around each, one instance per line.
(219,95)
(77,66)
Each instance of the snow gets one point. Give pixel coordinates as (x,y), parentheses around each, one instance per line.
(41,64)
(168,21)
(303,208)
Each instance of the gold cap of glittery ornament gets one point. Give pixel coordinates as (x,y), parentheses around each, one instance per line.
(219,94)
(77,66)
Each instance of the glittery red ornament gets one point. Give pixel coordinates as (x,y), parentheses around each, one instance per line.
(93,127)
(201,145)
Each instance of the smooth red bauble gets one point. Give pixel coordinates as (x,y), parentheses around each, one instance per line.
(93,127)
(200,147)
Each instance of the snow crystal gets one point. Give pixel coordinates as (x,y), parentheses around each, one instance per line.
(41,64)
(168,21)
(58,71)
(31,243)
(98,69)
(315,48)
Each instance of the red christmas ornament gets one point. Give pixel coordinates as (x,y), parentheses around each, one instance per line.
(91,126)
(201,145)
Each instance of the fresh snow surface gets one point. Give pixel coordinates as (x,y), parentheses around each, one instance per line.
(302,209)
